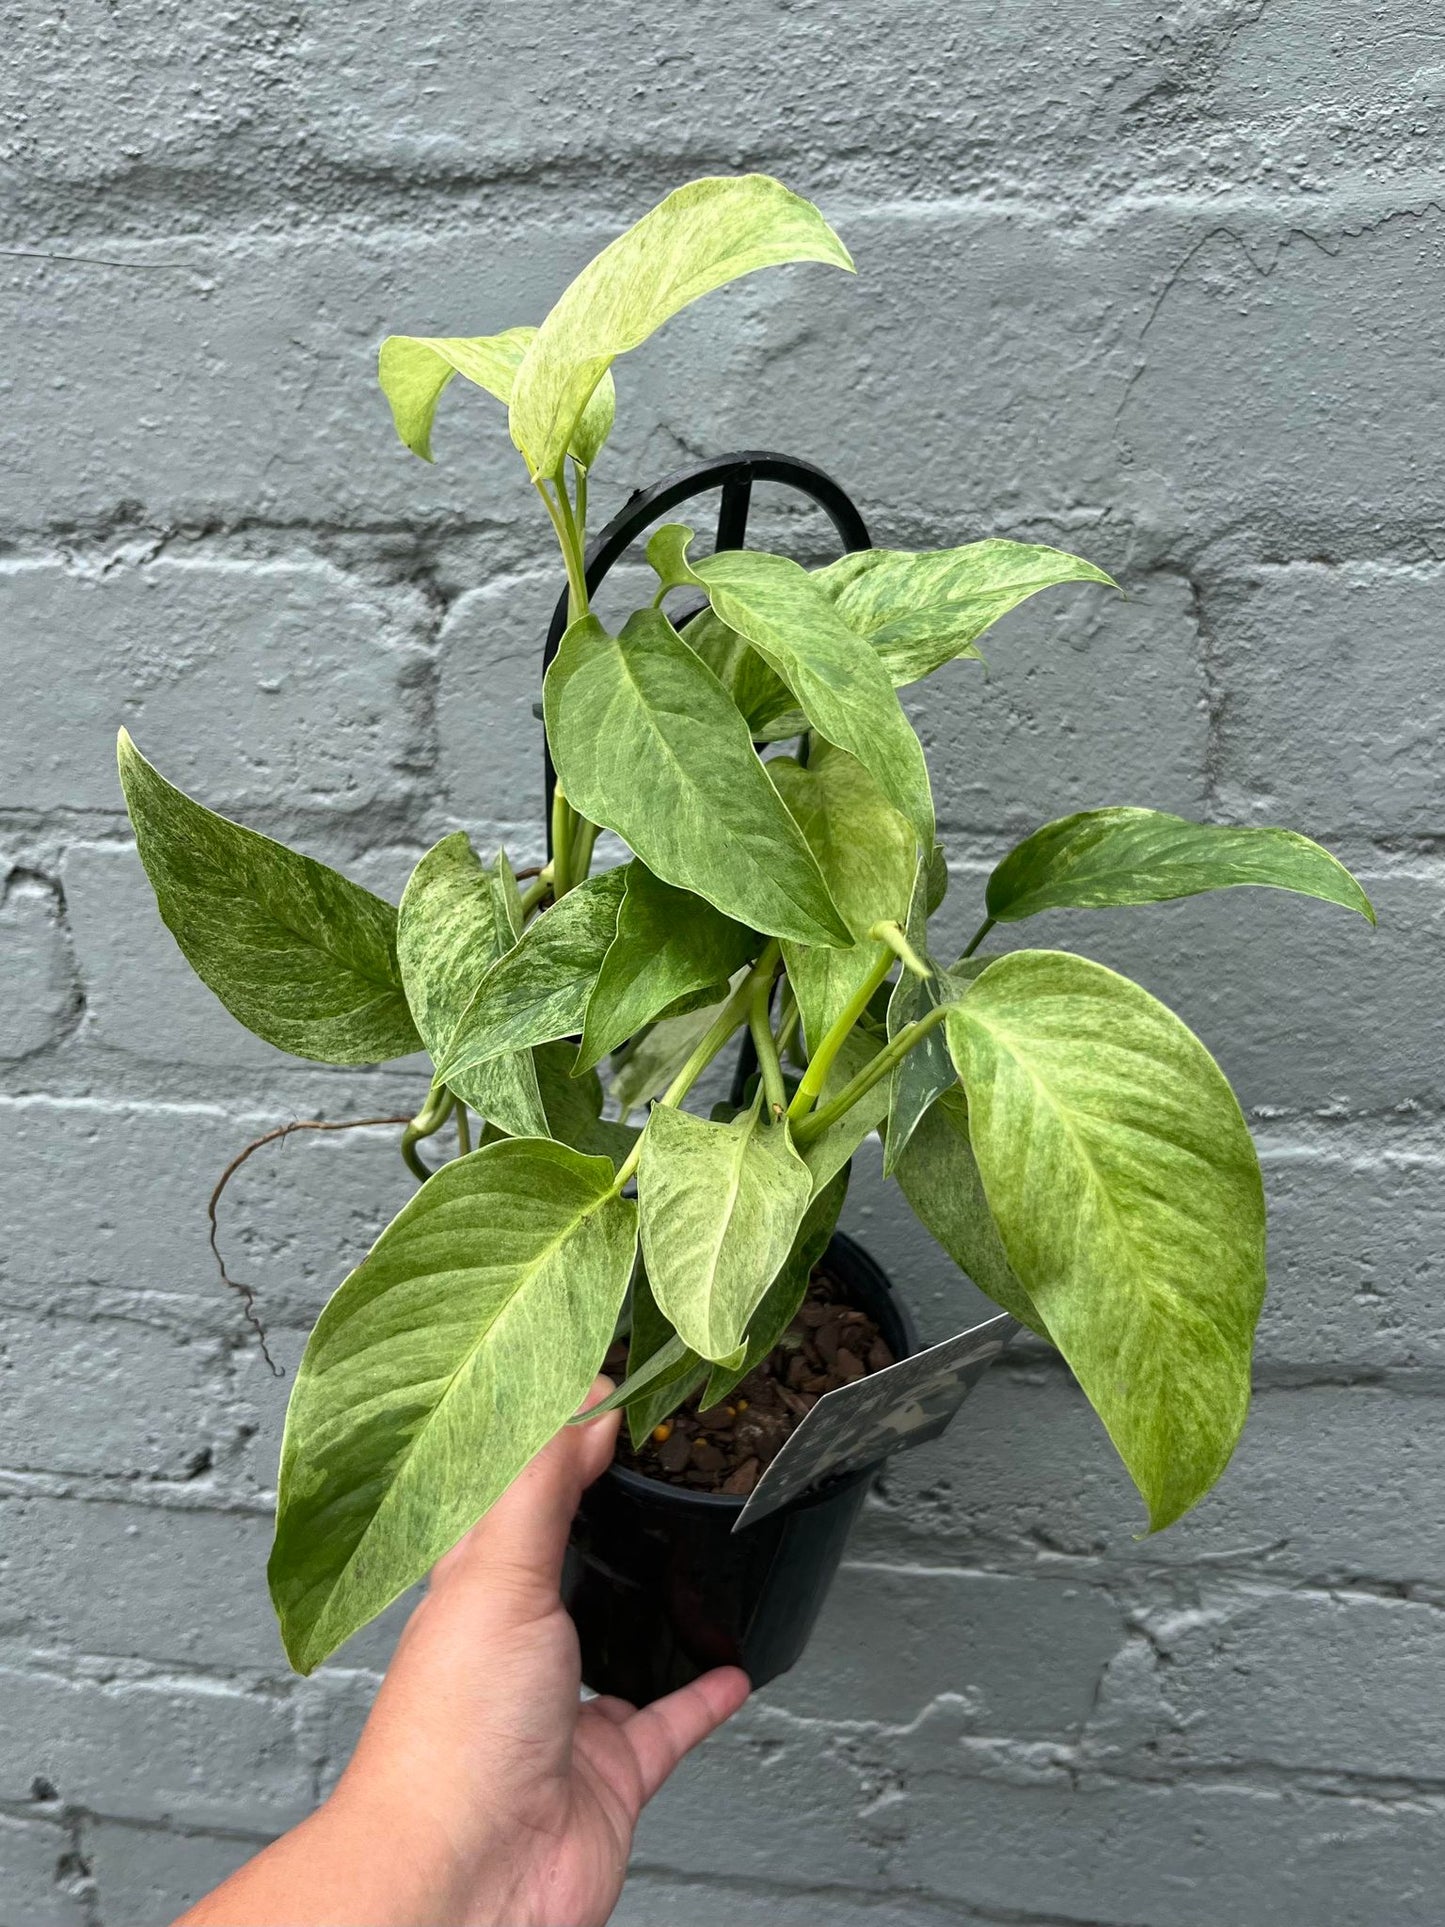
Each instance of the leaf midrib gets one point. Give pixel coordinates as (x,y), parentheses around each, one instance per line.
(1156,1289)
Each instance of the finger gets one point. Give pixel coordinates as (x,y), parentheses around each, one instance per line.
(615,1711)
(662,1733)
(519,1543)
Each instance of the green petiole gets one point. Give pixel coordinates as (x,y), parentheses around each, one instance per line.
(816,1075)
(812,1127)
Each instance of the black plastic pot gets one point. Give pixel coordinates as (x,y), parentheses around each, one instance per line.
(661,1589)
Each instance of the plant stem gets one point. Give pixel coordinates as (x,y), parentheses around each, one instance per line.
(760,1024)
(464,1130)
(729,1020)
(815,1076)
(562,834)
(978,936)
(564,526)
(897,942)
(582,849)
(536,890)
(579,492)
(569,540)
(813,1127)
(427,1122)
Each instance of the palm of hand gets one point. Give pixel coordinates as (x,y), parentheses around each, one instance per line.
(534,1793)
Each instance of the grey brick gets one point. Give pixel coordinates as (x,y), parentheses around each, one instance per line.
(42,1000)
(133,970)
(1026,1654)
(147,1874)
(1251,1677)
(1087,700)
(1266,348)
(106,1207)
(1178,1856)
(764,1792)
(198,1754)
(1354,1244)
(1335,1485)
(246,683)
(658,1900)
(1307,738)
(138,1581)
(108,1397)
(262,103)
(41,1884)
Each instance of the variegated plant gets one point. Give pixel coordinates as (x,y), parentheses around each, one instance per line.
(1064,1136)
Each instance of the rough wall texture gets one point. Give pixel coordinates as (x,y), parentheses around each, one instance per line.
(1161,282)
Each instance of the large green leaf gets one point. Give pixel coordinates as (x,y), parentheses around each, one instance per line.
(927,1069)
(1125,1188)
(938,1174)
(670,945)
(768,706)
(868,855)
(921,610)
(787,1291)
(648,743)
(414,369)
(453,924)
(538,991)
(467,1336)
(841,686)
(702,236)
(1104,857)
(720,1206)
(295,951)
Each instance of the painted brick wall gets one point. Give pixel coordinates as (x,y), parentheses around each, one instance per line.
(1161,282)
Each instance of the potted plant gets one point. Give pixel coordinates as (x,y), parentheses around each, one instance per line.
(1061,1133)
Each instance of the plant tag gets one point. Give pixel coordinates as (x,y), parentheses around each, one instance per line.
(904,1405)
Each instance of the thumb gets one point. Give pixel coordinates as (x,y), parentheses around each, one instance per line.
(518,1545)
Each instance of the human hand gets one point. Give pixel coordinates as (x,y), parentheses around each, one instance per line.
(482,1791)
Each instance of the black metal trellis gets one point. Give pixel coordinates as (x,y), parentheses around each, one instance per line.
(734,476)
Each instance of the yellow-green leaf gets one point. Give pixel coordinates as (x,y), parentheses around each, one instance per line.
(648,743)
(414,369)
(295,951)
(1127,1195)
(702,236)
(469,1334)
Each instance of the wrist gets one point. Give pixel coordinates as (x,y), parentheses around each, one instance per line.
(404,1860)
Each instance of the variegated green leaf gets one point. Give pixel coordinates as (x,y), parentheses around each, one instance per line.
(295,951)
(701,237)
(1127,1196)
(720,1205)
(414,369)
(921,610)
(868,855)
(648,744)
(1100,858)
(469,1334)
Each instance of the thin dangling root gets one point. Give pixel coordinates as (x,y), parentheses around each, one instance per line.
(244,1291)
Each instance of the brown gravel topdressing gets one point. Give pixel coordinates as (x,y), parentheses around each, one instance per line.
(728,1448)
